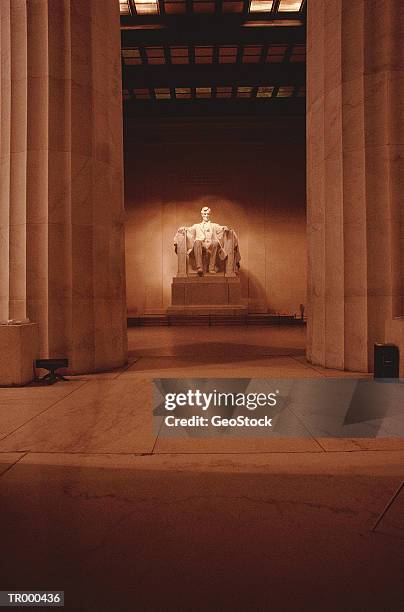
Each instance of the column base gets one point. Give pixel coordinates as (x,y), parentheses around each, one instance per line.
(394,334)
(19,347)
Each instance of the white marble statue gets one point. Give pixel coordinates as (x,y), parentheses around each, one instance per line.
(217,242)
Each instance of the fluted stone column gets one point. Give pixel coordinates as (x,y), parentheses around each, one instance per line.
(355,145)
(61,207)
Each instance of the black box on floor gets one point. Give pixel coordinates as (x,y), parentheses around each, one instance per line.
(387,361)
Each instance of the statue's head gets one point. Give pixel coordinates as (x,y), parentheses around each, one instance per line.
(205,212)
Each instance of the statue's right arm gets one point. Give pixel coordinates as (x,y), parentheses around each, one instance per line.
(182,231)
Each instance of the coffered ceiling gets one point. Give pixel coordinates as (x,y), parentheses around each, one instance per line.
(222,56)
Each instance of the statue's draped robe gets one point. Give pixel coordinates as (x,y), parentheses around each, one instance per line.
(219,233)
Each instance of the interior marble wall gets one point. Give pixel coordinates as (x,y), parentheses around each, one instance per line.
(61,209)
(251,172)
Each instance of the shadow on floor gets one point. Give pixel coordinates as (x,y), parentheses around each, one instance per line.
(214,350)
(165,539)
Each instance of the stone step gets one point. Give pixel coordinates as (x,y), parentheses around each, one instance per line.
(213,319)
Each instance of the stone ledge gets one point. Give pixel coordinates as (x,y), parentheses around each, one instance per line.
(204,309)
(206,278)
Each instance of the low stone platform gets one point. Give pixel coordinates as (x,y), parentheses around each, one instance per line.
(209,311)
(210,294)
(212,319)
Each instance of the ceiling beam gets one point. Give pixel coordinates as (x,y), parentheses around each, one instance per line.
(221,108)
(186,20)
(289,73)
(222,33)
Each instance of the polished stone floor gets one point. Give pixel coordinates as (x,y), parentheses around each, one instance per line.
(94,503)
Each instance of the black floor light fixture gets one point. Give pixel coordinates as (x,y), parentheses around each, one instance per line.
(51,365)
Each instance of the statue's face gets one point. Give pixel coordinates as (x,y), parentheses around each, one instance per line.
(205,212)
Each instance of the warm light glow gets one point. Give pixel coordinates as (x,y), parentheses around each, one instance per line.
(131,57)
(244,92)
(273,23)
(162,93)
(183,92)
(230,6)
(124,7)
(298,53)
(290,6)
(203,6)
(276,53)
(251,54)
(286,91)
(143,26)
(131,52)
(155,55)
(141,94)
(203,92)
(224,92)
(203,55)
(175,6)
(264,92)
(261,6)
(148,7)
(179,55)
(227,55)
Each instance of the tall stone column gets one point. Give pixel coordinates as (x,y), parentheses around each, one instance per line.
(61,207)
(355,145)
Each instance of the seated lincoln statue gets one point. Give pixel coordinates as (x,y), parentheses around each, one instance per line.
(207,247)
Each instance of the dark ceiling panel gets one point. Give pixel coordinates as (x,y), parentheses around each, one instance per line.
(203,75)
(222,107)
(219,32)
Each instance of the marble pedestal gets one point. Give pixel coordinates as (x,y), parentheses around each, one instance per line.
(394,334)
(208,294)
(18,349)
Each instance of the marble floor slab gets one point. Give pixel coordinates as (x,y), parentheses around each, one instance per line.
(215,367)
(20,405)
(236,340)
(382,463)
(358,444)
(114,531)
(7,460)
(326,426)
(111,375)
(224,445)
(104,416)
(117,515)
(46,392)
(331,373)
